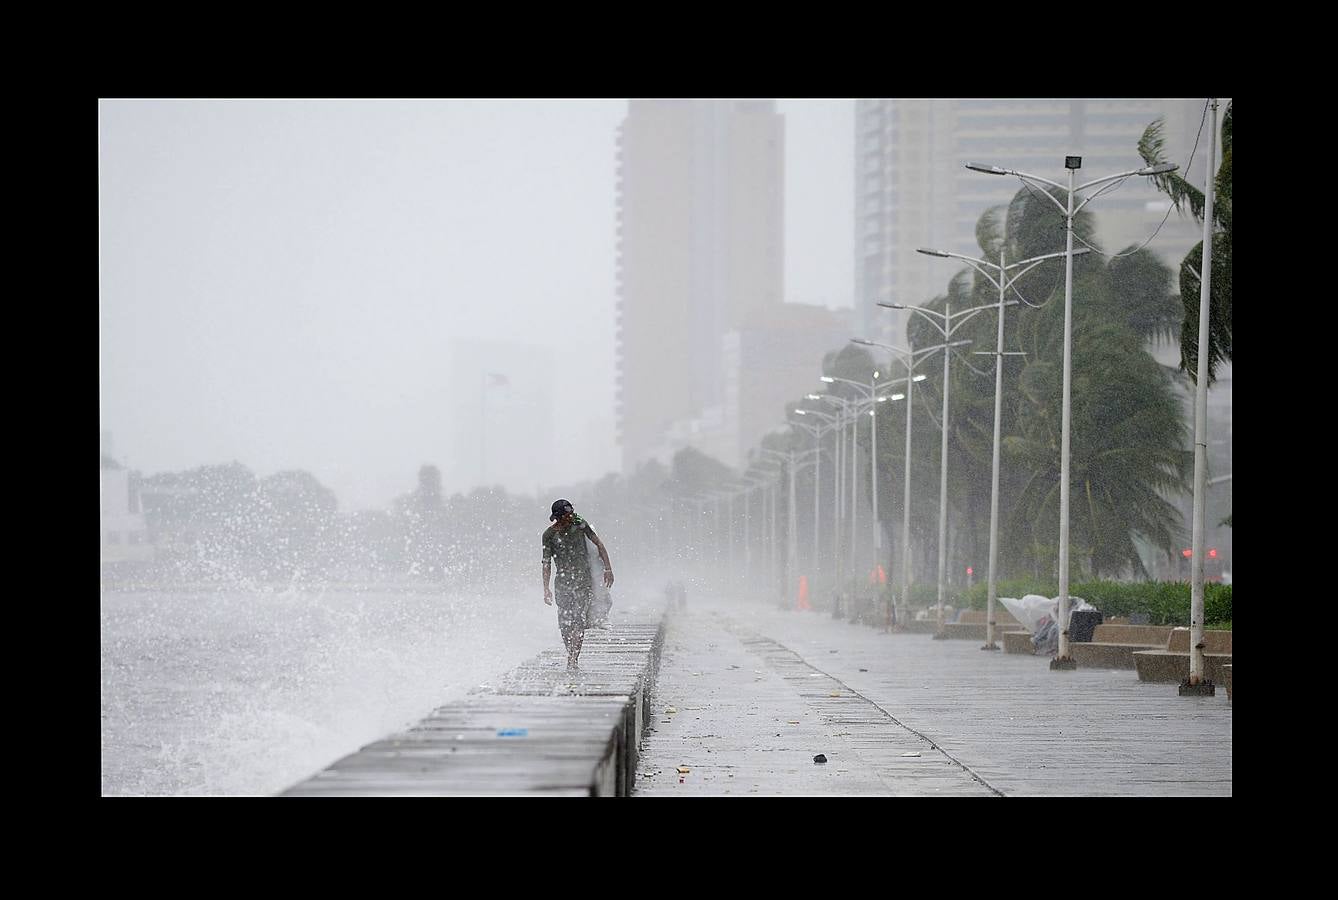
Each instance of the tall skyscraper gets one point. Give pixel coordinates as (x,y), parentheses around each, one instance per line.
(700,276)
(708,351)
(912,189)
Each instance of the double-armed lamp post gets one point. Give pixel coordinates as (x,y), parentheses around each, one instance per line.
(1069,210)
(1008,274)
(872,398)
(947,329)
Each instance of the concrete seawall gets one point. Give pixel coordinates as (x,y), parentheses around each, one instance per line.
(540,730)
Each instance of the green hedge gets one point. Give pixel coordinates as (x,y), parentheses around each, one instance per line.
(1164,602)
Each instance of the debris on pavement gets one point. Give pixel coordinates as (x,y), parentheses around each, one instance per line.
(820,758)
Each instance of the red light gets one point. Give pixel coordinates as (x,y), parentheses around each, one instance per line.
(970,571)
(1187,553)
(1212,554)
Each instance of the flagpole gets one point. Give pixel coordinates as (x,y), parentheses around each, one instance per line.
(483,431)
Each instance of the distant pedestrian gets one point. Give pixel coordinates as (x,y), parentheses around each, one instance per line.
(676,595)
(565,541)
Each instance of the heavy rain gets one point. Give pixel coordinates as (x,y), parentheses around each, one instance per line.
(837,390)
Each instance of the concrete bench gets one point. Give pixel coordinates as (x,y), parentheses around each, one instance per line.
(981,617)
(1172,663)
(1018,642)
(1153,635)
(1114,646)
(971,624)
(976,630)
(1213,641)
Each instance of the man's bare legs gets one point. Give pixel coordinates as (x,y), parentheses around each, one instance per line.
(574,647)
(573,637)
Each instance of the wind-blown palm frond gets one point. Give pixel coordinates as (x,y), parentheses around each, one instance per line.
(1141,292)
(1219,308)
(1152,147)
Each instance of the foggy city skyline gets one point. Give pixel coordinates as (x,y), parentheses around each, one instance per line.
(836,401)
(282,281)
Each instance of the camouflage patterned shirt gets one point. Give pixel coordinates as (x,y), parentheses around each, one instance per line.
(570,550)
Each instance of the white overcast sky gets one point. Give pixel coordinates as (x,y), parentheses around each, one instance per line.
(281,280)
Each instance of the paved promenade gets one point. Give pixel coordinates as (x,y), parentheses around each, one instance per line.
(748,695)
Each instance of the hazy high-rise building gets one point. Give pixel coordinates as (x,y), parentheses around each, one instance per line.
(912,189)
(700,223)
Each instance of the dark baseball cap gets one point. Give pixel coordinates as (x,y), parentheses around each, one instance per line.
(560,507)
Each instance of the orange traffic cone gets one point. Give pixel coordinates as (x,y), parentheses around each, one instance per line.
(803,593)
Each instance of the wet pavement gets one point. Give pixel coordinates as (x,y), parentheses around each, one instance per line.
(748,695)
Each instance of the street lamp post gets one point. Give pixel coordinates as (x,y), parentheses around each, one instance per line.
(947,328)
(854,421)
(910,363)
(872,401)
(1003,283)
(791,544)
(838,499)
(715,527)
(869,391)
(1072,163)
(817,431)
(1197,684)
(741,487)
(753,483)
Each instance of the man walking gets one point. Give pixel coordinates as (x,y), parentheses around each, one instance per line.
(565,541)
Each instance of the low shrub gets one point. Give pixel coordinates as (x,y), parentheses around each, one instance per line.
(1163,602)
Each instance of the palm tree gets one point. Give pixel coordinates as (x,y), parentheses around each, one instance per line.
(1128,440)
(1127,454)
(1183,194)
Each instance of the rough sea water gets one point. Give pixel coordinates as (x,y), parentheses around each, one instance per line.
(249,692)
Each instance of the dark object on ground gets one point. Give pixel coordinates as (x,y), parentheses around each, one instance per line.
(819,758)
(1082,624)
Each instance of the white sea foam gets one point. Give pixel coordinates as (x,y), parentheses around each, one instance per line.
(250,692)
